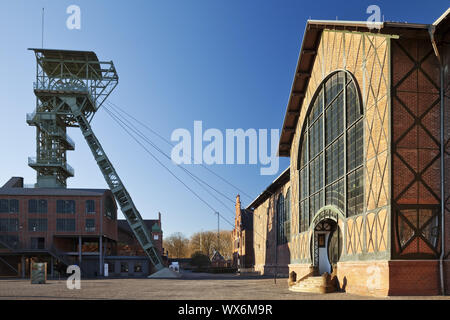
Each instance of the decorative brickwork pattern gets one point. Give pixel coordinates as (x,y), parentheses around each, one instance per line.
(415,149)
(366,56)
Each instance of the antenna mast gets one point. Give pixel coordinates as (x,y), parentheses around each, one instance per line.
(42,36)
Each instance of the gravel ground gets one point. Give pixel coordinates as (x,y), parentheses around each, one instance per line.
(191,286)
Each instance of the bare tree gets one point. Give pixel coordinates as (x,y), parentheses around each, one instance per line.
(206,242)
(177,245)
(226,244)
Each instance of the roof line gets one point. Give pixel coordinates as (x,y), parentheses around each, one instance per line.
(442,17)
(287,170)
(387,28)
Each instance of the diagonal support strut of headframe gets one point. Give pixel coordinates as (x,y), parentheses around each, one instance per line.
(115,184)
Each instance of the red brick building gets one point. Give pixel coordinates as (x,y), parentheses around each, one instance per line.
(63,226)
(242,234)
(127,243)
(269,233)
(366,129)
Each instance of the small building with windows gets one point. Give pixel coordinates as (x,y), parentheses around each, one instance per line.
(59,226)
(130,260)
(63,226)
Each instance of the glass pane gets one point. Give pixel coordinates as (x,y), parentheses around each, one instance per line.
(315,138)
(334,158)
(304,153)
(316,174)
(4,206)
(355,193)
(317,107)
(303,184)
(353,111)
(42,206)
(315,203)
(333,86)
(431,230)
(335,194)
(334,120)
(14,206)
(287,205)
(32,206)
(59,206)
(411,216)
(405,232)
(355,146)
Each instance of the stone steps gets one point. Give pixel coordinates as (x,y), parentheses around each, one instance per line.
(315,284)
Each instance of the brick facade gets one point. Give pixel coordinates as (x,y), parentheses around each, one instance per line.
(267,256)
(20,240)
(242,235)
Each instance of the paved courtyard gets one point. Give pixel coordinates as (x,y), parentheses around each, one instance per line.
(190,286)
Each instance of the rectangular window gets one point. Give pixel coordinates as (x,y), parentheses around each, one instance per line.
(37,206)
(304,216)
(42,206)
(90,225)
(9,225)
(32,206)
(65,206)
(90,206)
(14,206)
(303,184)
(64,225)
(4,206)
(37,243)
(37,225)
(124,267)
(9,206)
(138,267)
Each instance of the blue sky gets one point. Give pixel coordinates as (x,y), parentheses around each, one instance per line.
(227,63)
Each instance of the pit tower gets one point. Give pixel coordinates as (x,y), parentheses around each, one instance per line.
(70,87)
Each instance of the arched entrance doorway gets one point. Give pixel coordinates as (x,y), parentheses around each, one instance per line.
(326,241)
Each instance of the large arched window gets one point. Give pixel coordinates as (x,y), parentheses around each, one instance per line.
(331,150)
